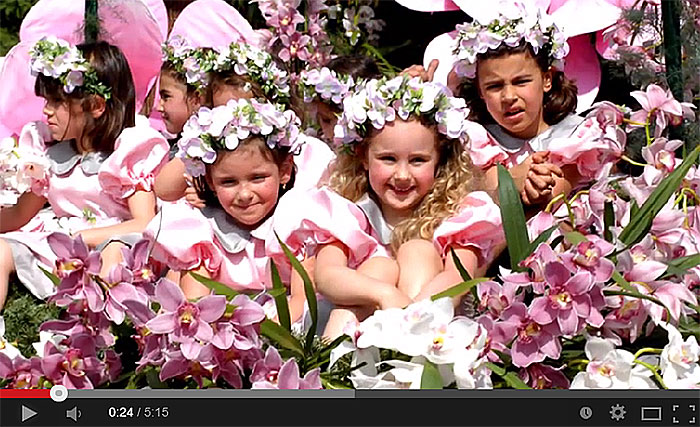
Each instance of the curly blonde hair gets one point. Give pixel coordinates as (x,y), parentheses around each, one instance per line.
(455,177)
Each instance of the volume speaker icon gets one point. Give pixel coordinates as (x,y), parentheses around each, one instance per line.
(73,414)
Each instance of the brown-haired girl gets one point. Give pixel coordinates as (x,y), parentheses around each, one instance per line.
(98,178)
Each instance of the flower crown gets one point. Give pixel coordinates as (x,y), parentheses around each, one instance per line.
(194,63)
(325,84)
(224,127)
(60,60)
(376,102)
(514,23)
(257,64)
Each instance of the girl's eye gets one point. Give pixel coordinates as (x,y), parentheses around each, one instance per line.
(493,87)
(259,178)
(387,158)
(228,182)
(419,160)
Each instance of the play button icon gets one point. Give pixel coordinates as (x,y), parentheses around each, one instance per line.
(27,413)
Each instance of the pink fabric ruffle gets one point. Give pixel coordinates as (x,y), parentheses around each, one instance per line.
(140,152)
(477,225)
(308,220)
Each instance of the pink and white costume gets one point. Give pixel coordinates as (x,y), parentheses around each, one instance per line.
(187,239)
(574,140)
(84,191)
(361,227)
(312,162)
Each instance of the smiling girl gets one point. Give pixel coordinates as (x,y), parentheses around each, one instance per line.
(401,194)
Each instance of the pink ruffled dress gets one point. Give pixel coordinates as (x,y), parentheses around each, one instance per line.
(84,191)
(574,140)
(187,238)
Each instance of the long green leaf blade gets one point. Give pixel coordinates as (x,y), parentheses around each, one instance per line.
(218,287)
(281,336)
(463,273)
(640,222)
(459,289)
(308,291)
(431,378)
(608,221)
(513,217)
(280,298)
(511,378)
(54,279)
(678,266)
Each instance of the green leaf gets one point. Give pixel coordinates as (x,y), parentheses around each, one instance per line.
(153,379)
(574,237)
(636,294)
(218,287)
(608,220)
(463,273)
(308,291)
(431,378)
(557,240)
(281,337)
(280,298)
(513,217)
(543,237)
(678,266)
(459,289)
(640,222)
(511,378)
(54,279)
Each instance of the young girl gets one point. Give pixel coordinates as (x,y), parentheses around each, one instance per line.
(401,194)
(241,161)
(518,91)
(100,175)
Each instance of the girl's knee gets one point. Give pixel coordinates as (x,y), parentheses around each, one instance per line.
(417,248)
(7,263)
(380,268)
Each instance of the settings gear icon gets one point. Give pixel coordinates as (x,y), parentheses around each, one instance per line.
(617,412)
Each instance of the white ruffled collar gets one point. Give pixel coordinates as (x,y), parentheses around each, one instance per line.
(64,157)
(513,144)
(375,217)
(232,237)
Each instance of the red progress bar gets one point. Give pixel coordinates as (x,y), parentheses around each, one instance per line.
(25,394)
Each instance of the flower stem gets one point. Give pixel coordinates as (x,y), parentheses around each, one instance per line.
(647,350)
(654,370)
(632,162)
(552,202)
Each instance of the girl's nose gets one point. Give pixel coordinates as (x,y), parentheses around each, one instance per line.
(159,107)
(401,173)
(244,195)
(508,93)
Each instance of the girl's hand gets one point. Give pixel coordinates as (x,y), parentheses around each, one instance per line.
(391,297)
(540,179)
(193,198)
(420,71)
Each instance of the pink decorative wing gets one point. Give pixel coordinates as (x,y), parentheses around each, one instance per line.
(59,18)
(160,13)
(576,17)
(428,5)
(583,67)
(440,48)
(211,23)
(18,104)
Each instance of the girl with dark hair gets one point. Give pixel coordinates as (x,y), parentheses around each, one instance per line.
(242,164)
(516,89)
(97,178)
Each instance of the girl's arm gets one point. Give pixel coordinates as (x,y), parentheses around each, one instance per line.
(142,205)
(14,217)
(347,287)
(170,184)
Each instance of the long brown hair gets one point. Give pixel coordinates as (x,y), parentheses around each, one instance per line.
(557,103)
(455,177)
(113,70)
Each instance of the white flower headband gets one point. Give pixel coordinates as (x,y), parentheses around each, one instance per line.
(257,64)
(56,58)
(194,63)
(325,84)
(514,23)
(376,102)
(224,127)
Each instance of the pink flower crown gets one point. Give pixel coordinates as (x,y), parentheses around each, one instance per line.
(325,84)
(515,22)
(224,127)
(193,63)
(376,102)
(58,59)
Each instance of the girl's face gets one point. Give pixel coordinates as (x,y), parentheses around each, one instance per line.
(66,119)
(513,89)
(175,106)
(327,119)
(247,183)
(401,161)
(225,93)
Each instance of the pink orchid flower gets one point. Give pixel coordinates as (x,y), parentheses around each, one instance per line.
(661,105)
(76,368)
(590,256)
(533,342)
(22,373)
(271,372)
(541,376)
(571,301)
